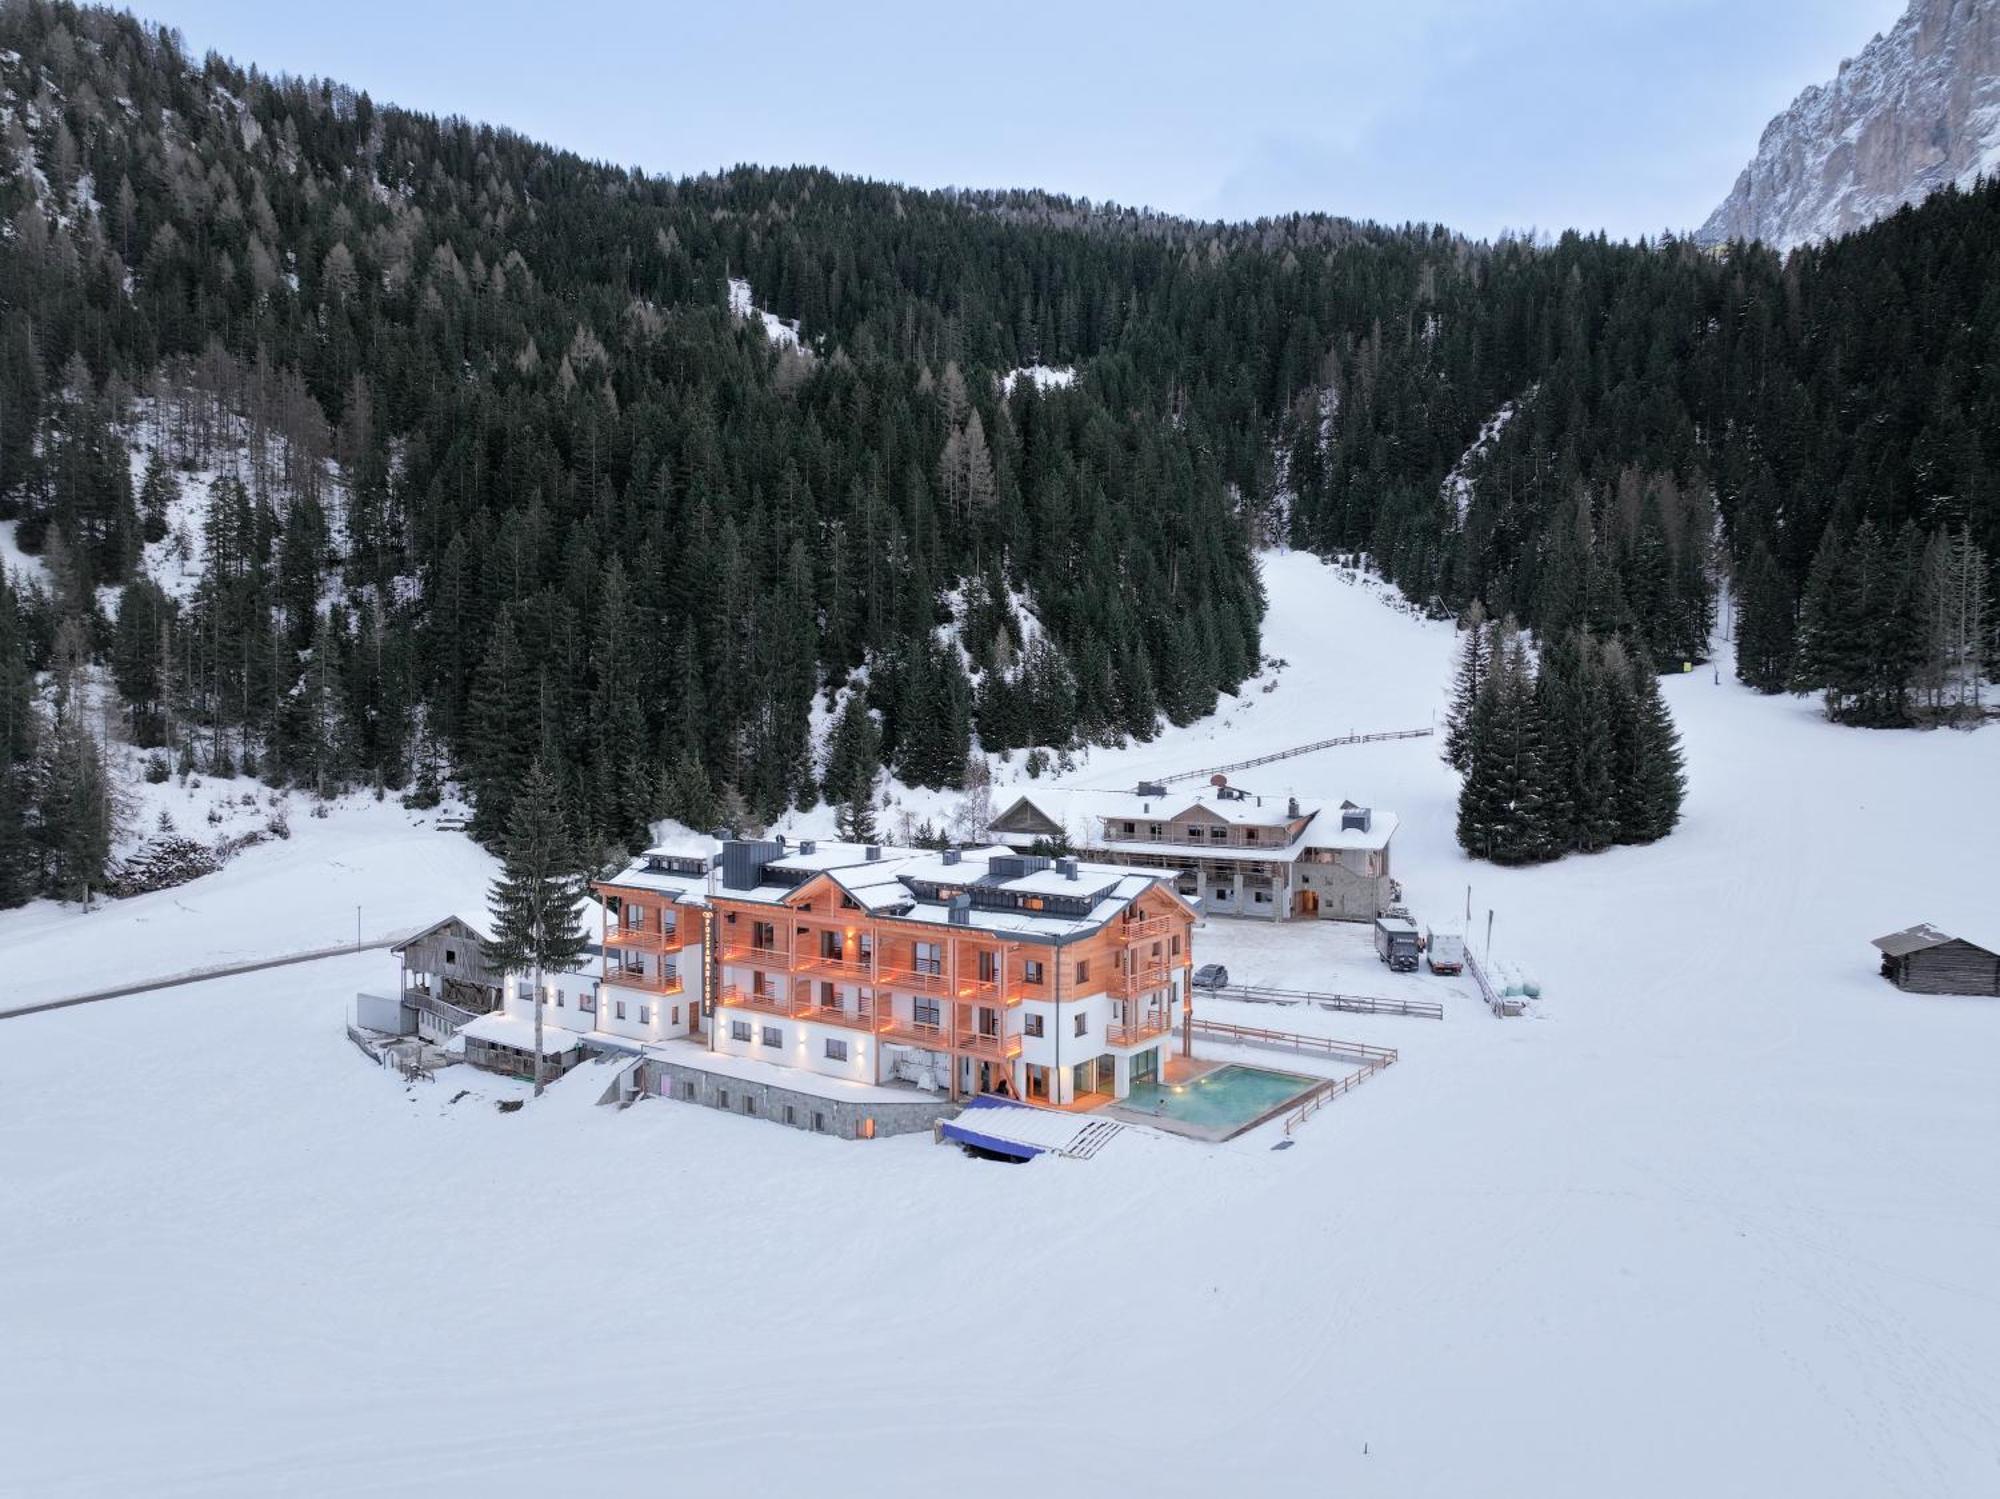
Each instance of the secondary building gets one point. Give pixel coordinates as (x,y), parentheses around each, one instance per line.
(1235,851)
(1925,960)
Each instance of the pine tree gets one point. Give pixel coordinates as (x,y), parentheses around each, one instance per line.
(534,902)
(1653,778)
(1475,652)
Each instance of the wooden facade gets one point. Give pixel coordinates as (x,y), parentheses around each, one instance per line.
(958,990)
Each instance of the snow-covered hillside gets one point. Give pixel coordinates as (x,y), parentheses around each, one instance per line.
(1719,1217)
(1918,109)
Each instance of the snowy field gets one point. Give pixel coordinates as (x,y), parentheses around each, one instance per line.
(1719,1217)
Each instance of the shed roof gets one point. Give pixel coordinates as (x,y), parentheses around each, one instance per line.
(1921,938)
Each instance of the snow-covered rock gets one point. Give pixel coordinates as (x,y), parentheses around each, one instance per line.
(1917,110)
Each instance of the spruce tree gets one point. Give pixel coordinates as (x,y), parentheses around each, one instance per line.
(536,927)
(1475,651)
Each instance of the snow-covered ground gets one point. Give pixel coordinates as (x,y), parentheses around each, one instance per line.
(1720,1216)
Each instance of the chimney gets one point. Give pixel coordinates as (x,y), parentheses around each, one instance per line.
(1292,809)
(951,856)
(807,845)
(874,852)
(1066,868)
(960,911)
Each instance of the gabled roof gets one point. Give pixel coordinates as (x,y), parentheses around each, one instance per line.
(1920,938)
(437,926)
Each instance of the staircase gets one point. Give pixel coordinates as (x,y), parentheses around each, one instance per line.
(1092,1138)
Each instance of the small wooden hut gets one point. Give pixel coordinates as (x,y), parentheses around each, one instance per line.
(1925,960)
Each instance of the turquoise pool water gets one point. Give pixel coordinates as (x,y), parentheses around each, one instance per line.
(1223,1099)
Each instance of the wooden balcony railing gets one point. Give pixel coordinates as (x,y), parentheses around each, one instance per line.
(632,936)
(1141,1030)
(854,1020)
(917,980)
(650,982)
(1142,980)
(917,1032)
(733,998)
(766,957)
(980,1044)
(1151,926)
(844,968)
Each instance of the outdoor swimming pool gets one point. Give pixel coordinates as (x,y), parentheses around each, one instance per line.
(1221,1102)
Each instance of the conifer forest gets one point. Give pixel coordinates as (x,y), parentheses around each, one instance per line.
(357,447)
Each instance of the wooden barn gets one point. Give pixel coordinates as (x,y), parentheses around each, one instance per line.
(1925,960)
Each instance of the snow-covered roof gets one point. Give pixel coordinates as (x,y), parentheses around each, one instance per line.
(1921,938)
(1079,810)
(905,882)
(503,1029)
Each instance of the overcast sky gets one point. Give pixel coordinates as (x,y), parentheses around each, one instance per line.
(1626,115)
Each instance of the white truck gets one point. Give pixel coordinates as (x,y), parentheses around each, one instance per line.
(1444,948)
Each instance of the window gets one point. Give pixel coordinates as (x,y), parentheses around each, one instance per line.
(739,1030)
(619,1009)
(829,997)
(1177,945)
(451,955)
(587,1002)
(1031,971)
(819,1123)
(763,935)
(1031,1025)
(830,945)
(989,968)
(559,999)
(1131,827)
(722,1098)
(645,1014)
(676,1020)
(1083,1025)
(836,1051)
(758,983)
(867,1129)
(1082,970)
(773,1035)
(687,1091)
(1262,897)
(1155,830)
(929,958)
(989,1021)
(749,1104)
(791,1115)
(926,1011)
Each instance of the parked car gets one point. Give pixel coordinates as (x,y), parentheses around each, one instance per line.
(1211,976)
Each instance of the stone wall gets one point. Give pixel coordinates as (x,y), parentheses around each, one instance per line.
(848,1119)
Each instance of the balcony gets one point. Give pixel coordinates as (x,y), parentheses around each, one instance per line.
(1143,980)
(913,980)
(765,957)
(645,938)
(650,983)
(916,1032)
(733,998)
(854,1020)
(1143,1030)
(984,990)
(839,968)
(1152,926)
(980,1044)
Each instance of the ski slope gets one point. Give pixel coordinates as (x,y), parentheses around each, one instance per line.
(1719,1217)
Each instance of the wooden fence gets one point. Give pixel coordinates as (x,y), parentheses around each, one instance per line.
(1293,753)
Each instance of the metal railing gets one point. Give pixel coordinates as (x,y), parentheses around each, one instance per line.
(1251,1035)
(1353,1004)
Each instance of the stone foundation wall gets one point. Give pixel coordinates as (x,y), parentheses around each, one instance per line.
(795,1107)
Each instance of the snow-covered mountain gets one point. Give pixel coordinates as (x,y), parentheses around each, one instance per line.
(1917,110)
